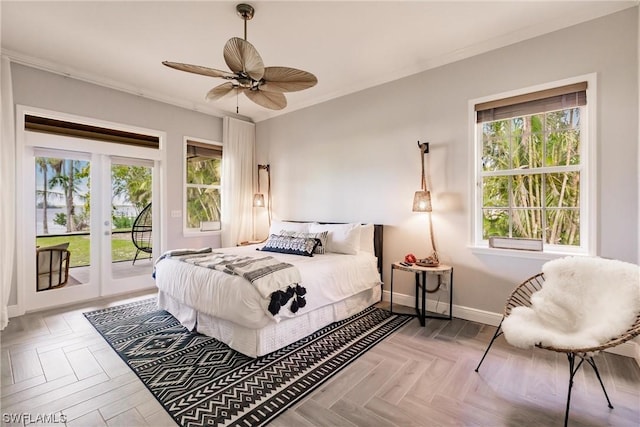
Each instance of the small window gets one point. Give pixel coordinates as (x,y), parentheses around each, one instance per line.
(531,173)
(203,168)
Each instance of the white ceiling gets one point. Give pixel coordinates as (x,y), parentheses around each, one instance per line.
(349,46)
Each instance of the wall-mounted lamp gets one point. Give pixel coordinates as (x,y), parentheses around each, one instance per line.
(258,198)
(422,198)
(422,203)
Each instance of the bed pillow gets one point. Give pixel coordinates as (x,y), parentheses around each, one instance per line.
(290,245)
(366,239)
(277,226)
(322,237)
(342,238)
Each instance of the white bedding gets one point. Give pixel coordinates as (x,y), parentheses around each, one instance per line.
(258,342)
(328,278)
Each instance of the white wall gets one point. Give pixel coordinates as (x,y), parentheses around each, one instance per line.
(37,88)
(356,158)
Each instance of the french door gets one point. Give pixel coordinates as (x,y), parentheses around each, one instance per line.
(84,198)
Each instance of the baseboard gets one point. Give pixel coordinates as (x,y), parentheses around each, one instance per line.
(14,311)
(628,349)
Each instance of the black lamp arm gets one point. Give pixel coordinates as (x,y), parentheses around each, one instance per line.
(424,148)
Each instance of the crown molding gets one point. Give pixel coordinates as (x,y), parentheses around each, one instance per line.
(66,71)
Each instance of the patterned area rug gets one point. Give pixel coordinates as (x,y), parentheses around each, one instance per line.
(202,382)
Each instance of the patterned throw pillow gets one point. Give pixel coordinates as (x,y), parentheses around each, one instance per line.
(290,245)
(322,238)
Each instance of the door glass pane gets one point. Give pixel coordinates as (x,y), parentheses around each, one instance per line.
(131,241)
(62,222)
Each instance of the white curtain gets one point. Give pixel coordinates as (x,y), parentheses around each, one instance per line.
(7,188)
(238,138)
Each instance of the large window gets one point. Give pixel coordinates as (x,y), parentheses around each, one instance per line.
(203,168)
(532,162)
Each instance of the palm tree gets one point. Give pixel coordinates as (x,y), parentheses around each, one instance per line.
(66,171)
(47,192)
(133,184)
(43,164)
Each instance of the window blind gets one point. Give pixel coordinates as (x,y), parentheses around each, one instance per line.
(559,98)
(200,149)
(78,130)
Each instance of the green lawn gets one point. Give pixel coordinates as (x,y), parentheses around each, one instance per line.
(122,249)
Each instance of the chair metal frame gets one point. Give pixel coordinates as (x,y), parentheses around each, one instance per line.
(60,269)
(521,297)
(141,232)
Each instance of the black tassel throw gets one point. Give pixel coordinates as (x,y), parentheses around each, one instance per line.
(281,298)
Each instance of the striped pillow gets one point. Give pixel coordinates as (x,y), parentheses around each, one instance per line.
(321,237)
(290,245)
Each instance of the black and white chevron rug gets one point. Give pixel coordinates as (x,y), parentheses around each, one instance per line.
(202,382)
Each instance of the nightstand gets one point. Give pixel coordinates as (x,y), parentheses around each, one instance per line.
(421,274)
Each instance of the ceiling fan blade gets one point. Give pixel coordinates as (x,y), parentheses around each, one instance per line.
(223,90)
(270,100)
(198,69)
(242,57)
(285,79)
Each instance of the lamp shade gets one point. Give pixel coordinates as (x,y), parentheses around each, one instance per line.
(258,200)
(422,201)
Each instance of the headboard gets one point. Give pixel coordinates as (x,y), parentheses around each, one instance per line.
(377,240)
(377,245)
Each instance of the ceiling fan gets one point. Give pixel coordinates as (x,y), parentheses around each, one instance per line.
(262,85)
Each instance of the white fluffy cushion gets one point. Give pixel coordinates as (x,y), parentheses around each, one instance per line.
(366,239)
(278,226)
(583,303)
(342,238)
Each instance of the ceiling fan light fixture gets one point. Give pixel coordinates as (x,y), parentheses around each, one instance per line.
(263,85)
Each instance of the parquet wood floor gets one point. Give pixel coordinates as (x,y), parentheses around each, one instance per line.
(55,361)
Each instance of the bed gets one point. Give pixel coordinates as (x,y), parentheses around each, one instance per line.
(341,278)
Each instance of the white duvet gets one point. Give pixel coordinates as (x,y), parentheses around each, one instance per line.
(328,278)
